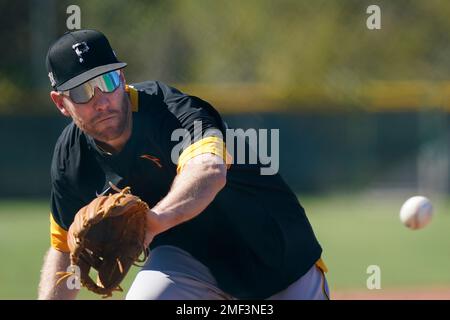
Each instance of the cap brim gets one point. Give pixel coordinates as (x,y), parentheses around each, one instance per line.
(88,75)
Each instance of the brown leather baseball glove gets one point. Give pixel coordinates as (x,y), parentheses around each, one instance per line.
(108,235)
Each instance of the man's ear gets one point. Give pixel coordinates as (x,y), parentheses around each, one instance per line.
(57,99)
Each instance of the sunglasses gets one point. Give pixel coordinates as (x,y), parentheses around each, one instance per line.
(83,93)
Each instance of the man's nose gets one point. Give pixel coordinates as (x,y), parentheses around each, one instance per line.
(101,101)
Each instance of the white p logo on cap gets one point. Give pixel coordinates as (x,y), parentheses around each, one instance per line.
(80,48)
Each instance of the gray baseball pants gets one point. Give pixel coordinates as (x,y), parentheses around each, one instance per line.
(173,274)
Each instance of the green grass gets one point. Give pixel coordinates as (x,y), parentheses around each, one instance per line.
(354,231)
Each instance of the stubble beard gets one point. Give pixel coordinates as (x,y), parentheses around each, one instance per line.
(117,126)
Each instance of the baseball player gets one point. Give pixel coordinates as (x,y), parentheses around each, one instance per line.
(216,230)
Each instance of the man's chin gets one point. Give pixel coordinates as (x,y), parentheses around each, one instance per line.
(107,134)
(108,130)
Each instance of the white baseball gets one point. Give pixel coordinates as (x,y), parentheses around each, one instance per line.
(416,212)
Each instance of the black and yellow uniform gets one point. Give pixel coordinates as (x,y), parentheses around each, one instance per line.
(254,236)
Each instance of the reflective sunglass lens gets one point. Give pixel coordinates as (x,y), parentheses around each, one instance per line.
(106,83)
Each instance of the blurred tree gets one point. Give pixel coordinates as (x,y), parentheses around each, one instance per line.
(295,44)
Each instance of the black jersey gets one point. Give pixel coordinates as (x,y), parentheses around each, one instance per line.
(254,236)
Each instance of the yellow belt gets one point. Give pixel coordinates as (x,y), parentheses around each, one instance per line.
(321,265)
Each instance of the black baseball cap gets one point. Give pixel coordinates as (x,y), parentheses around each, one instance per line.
(79,56)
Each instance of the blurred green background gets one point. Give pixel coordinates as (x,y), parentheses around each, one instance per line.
(355,232)
(363,115)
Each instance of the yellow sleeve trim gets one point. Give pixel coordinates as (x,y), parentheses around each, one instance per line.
(321,265)
(134,97)
(212,145)
(58,236)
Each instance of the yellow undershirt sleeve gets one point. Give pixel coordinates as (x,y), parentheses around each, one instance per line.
(212,145)
(58,236)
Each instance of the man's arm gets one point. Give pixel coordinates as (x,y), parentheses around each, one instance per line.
(193,189)
(54,262)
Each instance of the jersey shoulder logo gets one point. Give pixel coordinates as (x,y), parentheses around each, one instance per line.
(155,160)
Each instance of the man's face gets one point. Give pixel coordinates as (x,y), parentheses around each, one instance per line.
(105,117)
